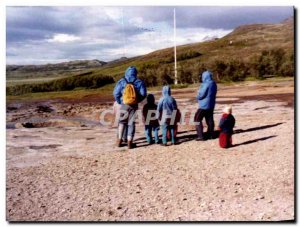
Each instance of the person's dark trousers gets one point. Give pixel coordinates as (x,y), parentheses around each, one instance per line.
(209,118)
(127,119)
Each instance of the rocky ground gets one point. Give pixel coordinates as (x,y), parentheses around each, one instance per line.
(62,164)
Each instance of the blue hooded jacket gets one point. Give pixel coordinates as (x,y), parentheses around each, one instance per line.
(207,92)
(166,103)
(130,75)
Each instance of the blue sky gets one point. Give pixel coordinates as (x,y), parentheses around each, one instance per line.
(40,35)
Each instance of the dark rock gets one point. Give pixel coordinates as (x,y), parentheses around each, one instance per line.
(50,146)
(27,125)
(42,108)
(11,108)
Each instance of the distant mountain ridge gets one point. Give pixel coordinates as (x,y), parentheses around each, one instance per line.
(69,66)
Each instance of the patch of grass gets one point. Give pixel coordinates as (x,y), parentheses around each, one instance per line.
(227,82)
(179,86)
(251,78)
(13,82)
(104,91)
(65,84)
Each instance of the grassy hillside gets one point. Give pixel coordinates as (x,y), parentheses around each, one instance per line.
(59,69)
(256,50)
(243,43)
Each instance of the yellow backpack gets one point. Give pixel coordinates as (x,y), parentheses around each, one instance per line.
(129,95)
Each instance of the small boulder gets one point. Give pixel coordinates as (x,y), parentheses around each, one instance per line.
(44,109)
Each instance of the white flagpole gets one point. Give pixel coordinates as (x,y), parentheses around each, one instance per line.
(175,60)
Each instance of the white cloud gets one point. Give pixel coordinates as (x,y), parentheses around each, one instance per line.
(99,41)
(137,21)
(114,13)
(193,35)
(128,51)
(64,38)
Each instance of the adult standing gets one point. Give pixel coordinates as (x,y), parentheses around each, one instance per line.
(129,91)
(206,99)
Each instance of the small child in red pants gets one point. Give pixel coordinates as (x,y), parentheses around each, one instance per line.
(226,125)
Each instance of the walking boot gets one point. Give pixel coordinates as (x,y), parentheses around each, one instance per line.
(130,145)
(119,143)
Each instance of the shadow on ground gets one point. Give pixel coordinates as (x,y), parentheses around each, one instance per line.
(254,141)
(185,136)
(256,128)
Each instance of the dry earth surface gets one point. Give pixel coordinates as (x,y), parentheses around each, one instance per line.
(62,164)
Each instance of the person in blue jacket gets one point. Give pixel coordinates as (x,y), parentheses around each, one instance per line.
(167,109)
(206,99)
(127,114)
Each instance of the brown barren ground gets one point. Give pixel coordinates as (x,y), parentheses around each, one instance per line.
(64,166)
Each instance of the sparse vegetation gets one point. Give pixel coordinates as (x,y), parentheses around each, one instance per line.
(65,84)
(233,70)
(183,56)
(274,62)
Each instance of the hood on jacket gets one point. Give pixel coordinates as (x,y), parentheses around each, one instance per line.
(166,91)
(150,99)
(131,74)
(206,76)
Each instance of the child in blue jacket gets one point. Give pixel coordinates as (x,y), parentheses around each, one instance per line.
(167,109)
